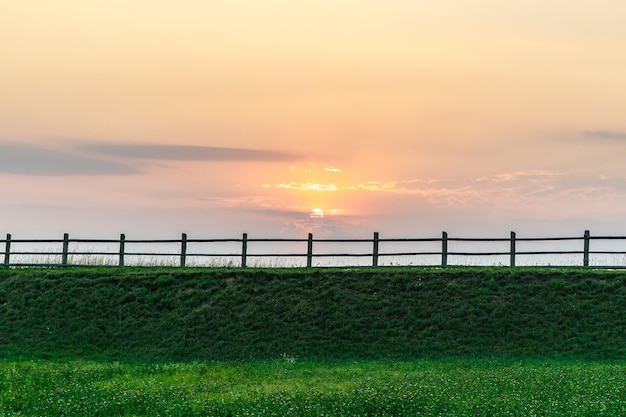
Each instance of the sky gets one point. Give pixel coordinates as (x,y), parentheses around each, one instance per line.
(338,117)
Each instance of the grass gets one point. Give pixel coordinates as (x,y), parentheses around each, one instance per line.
(312,342)
(288,386)
(337,313)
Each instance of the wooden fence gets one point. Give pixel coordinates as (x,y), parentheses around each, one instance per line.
(442,251)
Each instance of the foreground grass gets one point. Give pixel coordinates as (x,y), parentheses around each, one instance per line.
(288,386)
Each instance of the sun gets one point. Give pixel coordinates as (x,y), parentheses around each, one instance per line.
(317,213)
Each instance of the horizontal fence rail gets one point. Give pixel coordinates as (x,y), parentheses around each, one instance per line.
(441,251)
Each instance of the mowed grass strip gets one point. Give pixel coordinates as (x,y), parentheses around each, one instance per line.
(290,387)
(327,313)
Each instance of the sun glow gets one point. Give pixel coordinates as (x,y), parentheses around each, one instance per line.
(317,213)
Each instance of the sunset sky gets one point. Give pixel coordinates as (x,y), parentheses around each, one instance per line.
(404,117)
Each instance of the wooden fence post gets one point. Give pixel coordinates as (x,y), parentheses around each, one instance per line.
(586,249)
(244,249)
(66,245)
(183,250)
(444,249)
(309,252)
(512,263)
(375,250)
(7,251)
(122,247)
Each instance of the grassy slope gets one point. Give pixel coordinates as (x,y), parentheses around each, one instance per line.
(228,314)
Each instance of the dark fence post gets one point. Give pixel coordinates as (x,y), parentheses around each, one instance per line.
(244,249)
(444,249)
(375,250)
(66,244)
(309,252)
(586,249)
(512,263)
(7,251)
(183,250)
(122,245)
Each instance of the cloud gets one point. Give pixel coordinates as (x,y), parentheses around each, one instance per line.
(46,207)
(299,186)
(531,188)
(605,134)
(188,153)
(23,160)
(108,159)
(239,201)
(292,220)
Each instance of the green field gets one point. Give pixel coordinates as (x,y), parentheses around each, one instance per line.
(319,342)
(290,387)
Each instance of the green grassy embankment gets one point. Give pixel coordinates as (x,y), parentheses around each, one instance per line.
(226,314)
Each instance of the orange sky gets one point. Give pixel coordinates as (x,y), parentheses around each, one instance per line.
(223,117)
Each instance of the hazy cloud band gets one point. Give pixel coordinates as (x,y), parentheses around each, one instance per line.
(605,134)
(40,161)
(23,160)
(189,153)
